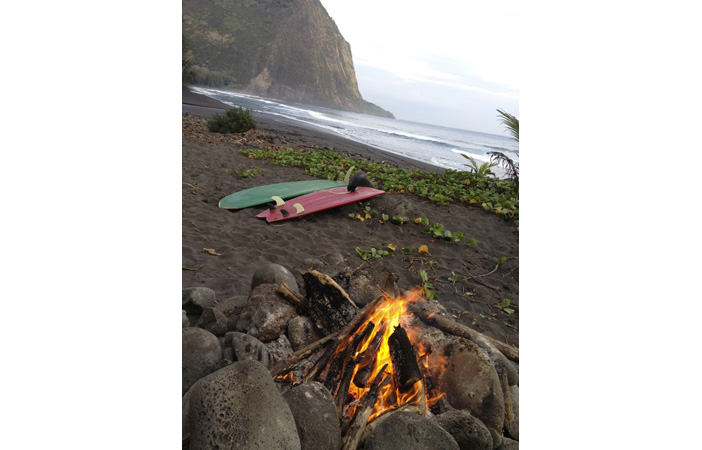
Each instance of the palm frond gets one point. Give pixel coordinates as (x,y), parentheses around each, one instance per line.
(511,122)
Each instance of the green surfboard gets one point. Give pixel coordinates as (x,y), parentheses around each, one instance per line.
(262,194)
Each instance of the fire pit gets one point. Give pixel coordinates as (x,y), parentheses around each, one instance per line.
(374,361)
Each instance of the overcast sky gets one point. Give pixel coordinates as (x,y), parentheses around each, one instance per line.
(445,62)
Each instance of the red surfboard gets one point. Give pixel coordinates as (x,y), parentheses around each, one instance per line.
(317,201)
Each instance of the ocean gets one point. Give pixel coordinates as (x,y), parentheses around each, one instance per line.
(436,145)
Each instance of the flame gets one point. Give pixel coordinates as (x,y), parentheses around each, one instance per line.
(287,378)
(388,314)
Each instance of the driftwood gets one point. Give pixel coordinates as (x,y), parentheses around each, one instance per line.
(327,303)
(404,361)
(457,329)
(364,410)
(284,365)
(289,295)
(509,412)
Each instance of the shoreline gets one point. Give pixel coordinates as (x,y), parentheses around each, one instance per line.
(203,106)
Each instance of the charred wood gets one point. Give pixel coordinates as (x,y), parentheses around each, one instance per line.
(404,361)
(327,303)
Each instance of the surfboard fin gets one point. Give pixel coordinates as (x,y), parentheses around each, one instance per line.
(348,174)
(299,208)
(278,201)
(284,213)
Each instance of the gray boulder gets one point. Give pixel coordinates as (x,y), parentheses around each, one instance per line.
(214,321)
(196,299)
(513,428)
(265,315)
(231,308)
(508,444)
(468,431)
(302,331)
(240,407)
(279,349)
(274,274)
(316,418)
(247,347)
(500,361)
(470,382)
(366,285)
(408,431)
(201,355)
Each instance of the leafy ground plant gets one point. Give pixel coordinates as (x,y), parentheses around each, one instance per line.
(250,172)
(504,306)
(427,287)
(480,170)
(451,186)
(375,251)
(234,120)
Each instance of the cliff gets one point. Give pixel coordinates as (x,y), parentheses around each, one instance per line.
(284,49)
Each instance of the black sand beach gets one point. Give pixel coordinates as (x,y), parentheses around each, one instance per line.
(326,241)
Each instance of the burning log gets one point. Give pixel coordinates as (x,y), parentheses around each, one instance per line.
(336,366)
(361,317)
(349,367)
(363,411)
(404,361)
(327,303)
(457,329)
(368,358)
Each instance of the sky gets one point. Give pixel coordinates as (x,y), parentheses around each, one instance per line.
(446,62)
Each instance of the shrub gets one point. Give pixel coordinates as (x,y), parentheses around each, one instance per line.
(234,120)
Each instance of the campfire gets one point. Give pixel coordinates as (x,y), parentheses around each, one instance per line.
(373,360)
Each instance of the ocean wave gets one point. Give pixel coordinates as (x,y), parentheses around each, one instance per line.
(477,156)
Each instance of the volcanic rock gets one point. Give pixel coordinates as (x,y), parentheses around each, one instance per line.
(408,431)
(240,407)
(513,428)
(499,360)
(316,418)
(214,321)
(201,354)
(367,284)
(470,382)
(231,308)
(265,315)
(247,347)
(274,274)
(302,331)
(508,444)
(279,349)
(468,431)
(196,299)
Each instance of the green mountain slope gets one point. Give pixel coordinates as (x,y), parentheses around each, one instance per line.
(285,49)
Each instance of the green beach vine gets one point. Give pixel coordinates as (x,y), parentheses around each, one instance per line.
(452,186)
